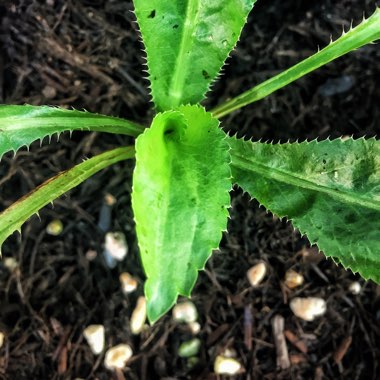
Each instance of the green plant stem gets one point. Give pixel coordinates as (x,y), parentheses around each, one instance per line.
(366,32)
(14,216)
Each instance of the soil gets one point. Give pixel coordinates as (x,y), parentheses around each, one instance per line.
(87,55)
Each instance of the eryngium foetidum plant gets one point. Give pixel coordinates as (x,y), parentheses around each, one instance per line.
(186,165)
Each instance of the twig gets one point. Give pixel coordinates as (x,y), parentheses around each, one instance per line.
(279,340)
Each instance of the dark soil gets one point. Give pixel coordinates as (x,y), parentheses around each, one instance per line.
(86,54)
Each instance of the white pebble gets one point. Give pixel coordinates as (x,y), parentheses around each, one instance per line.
(293,279)
(185,312)
(355,288)
(94,335)
(116,245)
(194,327)
(308,308)
(138,317)
(10,263)
(226,366)
(256,273)
(128,283)
(2,338)
(55,227)
(118,356)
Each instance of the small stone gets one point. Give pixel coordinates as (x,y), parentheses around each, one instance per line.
(293,279)
(10,263)
(128,283)
(194,327)
(117,357)
(2,338)
(91,255)
(49,92)
(185,312)
(308,308)
(138,316)
(189,348)
(355,288)
(109,199)
(95,337)
(226,366)
(256,273)
(55,227)
(115,246)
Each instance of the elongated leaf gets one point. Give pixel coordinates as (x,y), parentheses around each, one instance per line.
(365,33)
(21,125)
(330,190)
(187,42)
(14,216)
(180,198)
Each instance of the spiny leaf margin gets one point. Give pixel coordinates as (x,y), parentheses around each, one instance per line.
(12,218)
(186,44)
(329,190)
(20,125)
(366,32)
(180,198)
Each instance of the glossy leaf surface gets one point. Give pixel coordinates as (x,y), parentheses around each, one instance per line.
(186,43)
(12,218)
(180,198)
(330,190)
(21,125)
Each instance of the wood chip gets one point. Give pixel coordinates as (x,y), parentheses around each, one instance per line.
(342,349)
(296,341)
(279,340)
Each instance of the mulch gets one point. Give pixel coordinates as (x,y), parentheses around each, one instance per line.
(87,55)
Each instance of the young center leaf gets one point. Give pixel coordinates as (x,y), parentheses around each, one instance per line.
(180,198)
(21,125)
(12,218)
(330,190)
(186,43)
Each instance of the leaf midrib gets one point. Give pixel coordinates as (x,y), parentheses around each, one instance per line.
(8,125)
(180,65)
(298,181)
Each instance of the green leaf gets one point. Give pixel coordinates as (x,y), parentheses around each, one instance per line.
(186,43)
(366,32)
(330,190)
(14,216)
(21,125)
(180,198)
